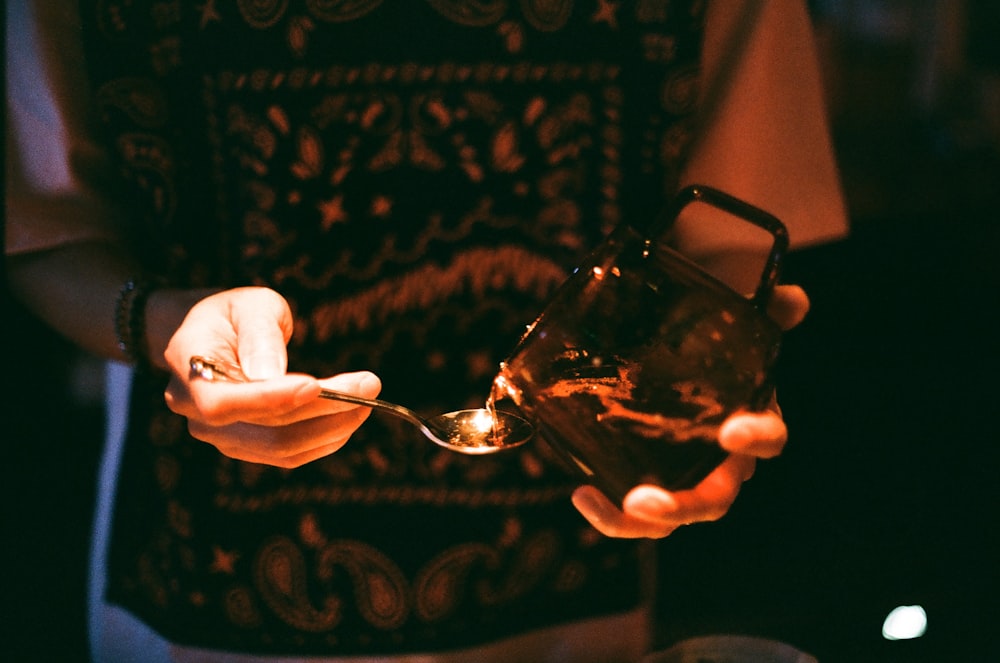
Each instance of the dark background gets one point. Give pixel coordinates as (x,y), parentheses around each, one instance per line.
(887,492)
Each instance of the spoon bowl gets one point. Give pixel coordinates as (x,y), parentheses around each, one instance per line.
(476,431)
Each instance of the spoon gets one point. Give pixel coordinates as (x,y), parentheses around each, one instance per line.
(477,431)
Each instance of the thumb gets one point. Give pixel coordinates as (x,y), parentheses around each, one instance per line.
(788,306)
(263,324)
(761,434)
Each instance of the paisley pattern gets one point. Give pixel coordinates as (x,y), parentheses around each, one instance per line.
(416,178)
(281,579)
(262,14)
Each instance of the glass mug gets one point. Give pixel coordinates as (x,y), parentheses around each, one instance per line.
(641,354)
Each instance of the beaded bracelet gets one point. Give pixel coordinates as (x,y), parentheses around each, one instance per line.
(130,321)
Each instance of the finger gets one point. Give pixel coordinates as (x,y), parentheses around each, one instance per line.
(220,404)
(359,383)
(788,305)
(708,501)
(286,462)
(307,457)
(760,434)
(609,520)
(263,325)
(282,446)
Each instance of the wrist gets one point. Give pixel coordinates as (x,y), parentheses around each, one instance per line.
(130,320)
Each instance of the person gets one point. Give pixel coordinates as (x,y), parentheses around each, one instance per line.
(376,198)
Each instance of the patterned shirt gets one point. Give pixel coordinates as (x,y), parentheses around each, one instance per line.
(416,178)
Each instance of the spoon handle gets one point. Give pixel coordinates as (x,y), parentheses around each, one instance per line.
(377,403)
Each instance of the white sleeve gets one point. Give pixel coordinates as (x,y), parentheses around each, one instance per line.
(48,203)
(763,135)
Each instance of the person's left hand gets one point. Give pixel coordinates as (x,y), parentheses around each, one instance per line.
(652,512)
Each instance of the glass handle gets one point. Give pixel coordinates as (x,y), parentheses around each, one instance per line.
(749,213)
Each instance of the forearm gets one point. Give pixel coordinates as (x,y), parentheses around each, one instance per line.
(75,289)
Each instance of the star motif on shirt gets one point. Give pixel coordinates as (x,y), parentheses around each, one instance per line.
(381,206)
(224,561)
(332,211)
(607,12)
(209,13)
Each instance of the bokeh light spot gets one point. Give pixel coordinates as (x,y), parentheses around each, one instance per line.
(905,623)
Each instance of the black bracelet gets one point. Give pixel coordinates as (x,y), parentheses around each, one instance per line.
(130,321)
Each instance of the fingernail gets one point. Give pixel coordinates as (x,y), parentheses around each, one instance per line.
(594,505)
(650,503)
(735,436)
(370,384)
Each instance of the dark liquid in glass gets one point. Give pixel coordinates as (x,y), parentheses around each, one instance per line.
(632,368)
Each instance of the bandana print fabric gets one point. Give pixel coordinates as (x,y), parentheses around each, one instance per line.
(416,178)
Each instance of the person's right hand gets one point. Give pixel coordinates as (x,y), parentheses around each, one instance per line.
(277,418)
